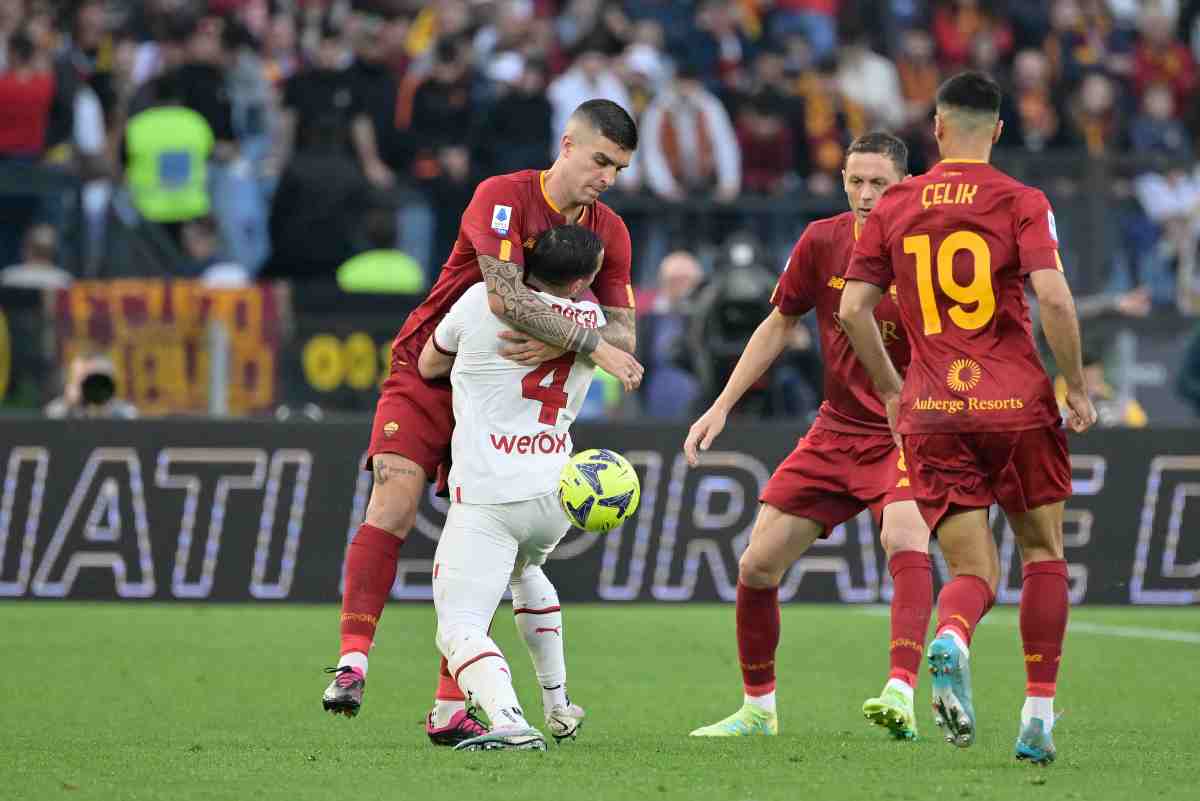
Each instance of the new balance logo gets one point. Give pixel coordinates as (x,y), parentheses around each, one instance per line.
(540,443)
(555,629)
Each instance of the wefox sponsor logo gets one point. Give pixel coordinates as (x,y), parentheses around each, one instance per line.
(545,442)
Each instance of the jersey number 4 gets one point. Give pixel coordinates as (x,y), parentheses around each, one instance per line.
(978,293)
(551,395)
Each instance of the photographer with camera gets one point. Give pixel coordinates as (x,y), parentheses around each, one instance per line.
(90,391)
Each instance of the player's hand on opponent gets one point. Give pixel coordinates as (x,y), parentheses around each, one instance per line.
(525,350)
(618,364)
(1081,413)
(703,432)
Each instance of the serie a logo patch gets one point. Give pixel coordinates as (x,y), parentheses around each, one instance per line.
(501,219)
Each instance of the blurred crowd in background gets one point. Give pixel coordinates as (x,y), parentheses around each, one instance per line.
(335,142)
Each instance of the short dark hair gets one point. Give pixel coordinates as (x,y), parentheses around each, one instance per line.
(885,144)
(612,121)
(971,91)
(562,254)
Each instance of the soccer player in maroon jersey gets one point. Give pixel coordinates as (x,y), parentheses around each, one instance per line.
(846,462)
(976,409)
(410,436)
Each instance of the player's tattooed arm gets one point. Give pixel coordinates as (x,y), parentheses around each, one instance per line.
(620,330)
(515,304)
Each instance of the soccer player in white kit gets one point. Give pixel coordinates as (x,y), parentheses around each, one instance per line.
(511,441)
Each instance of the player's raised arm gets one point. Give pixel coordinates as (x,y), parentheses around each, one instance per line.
(1056,308)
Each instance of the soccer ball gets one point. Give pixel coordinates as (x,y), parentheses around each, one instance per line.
(598,490)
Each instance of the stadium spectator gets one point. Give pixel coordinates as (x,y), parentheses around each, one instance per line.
(315,209)
(918,74)
(38,268)
(166,150)
(870,81)
(1082,38)
(689,144)
(26,93)
(670,388)
(816,20)
(590,77)
(1095,116)
(311,94)
(90,390)
(765,139)
(1170,199)
(957,24)
(1156,129)
(1039,123)
(831,120)
(1161,58)
(518,127)
(594,24)
(717,45)
(383,268)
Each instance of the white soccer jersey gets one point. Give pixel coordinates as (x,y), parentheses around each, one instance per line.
(511,422)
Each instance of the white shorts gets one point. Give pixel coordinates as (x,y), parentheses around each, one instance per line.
(484,546)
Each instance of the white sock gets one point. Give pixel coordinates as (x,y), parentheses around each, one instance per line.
(542,632)
(488,682)
(958,640)
(554,696)
(355,659)
(902,686)
(1038,707)
(765,702)
(444,710)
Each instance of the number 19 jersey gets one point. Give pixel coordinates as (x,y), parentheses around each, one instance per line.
(958,243)
(511,422)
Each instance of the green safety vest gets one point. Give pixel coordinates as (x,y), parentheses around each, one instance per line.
(382,271)
(168,149)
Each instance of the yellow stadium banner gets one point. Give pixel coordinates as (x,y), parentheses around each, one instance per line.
(156,333)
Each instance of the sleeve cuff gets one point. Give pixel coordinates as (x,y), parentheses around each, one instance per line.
(439,348)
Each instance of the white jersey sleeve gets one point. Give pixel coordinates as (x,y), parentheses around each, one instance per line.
(511,423)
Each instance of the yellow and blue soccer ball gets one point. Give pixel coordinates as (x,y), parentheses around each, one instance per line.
(599,490)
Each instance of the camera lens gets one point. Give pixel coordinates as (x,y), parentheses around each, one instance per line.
(97,389)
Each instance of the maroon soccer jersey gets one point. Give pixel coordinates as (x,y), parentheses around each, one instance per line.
(814,278)
(958,242)
(502,220)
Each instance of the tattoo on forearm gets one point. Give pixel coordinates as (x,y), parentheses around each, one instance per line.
(383,471)
(525,312)
(621,329)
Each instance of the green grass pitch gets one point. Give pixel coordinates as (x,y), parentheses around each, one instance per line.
(222,702)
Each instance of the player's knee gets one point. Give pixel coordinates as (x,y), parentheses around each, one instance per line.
(904,538)
(756,571)
(392,508)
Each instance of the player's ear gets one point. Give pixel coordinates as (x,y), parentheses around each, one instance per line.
(938,126)
(996,133)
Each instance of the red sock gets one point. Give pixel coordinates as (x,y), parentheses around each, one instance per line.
(1044,607)
(962,603)
(758,637)
(912,604)
(370,573)
(447,689)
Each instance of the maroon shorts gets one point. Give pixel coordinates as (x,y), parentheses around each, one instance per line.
(413,418)
(831,476)
(1020,470)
